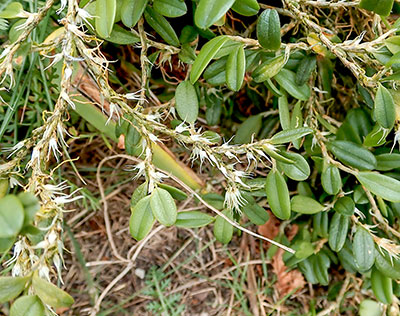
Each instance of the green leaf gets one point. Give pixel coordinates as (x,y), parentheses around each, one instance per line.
(305,205)
(377,137)
(385,109)
(139,193)
(370,308)
(176,193)
(249,128)
(11,287)
(121,36)
(381,7)
(389,267)
(286,80)
(269,29)
(352,154)
(269,68)
(255,213)
(320,224)
(210,11)
(284,114)
(235,68)
(131,11)
(50,294)
(105,17)
(28,305)
(346,257)
(359,196)
(388,162)
(223,231)
(142,219)
(228,47)
(6,244)
(11,216)
(299,170)
(161,26)
(30,204)
(170,8)
(12,11)
(187,103)
(382,286)
(207,53)
(386,187)
(274,153)
(278,195)
(344,206)
(363,249)
(321,265)
(290,135)
(306,67)
(132,141)
(246,7)
(163,206)
(338,229)
(331,180)
(193,219)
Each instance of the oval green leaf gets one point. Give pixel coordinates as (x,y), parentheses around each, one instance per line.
(11,216)
(246,7)
(278,195)
(142,219)
(163,206)
(352,154)
(11,287)
(331,180)
(210,11)
(289,135)
(382,286)
(344,206)
(385,109)
(193,219)
(269,29)
(386,187)
(131,11)
(235,68)
(105,17)
(338,229)
(363,250)
(28,305)
(161,26)
(305,205)
(187,103)
(207,53)
(299,170)
(170,8)
(50,294)
(223,231)
(286,80)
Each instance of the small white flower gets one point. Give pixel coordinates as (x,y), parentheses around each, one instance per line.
(153,138)
(233,198)
(134,95)
(58,264)
(35,156)
(16,270)
(53,147)
(181,128)
(52,237)
(5,52)
(140,168)
(18,247)
(14,182)
(44,272)
(63,199)
(15,148)
(62,7)
(66,98)
(113,109)
(83,16)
